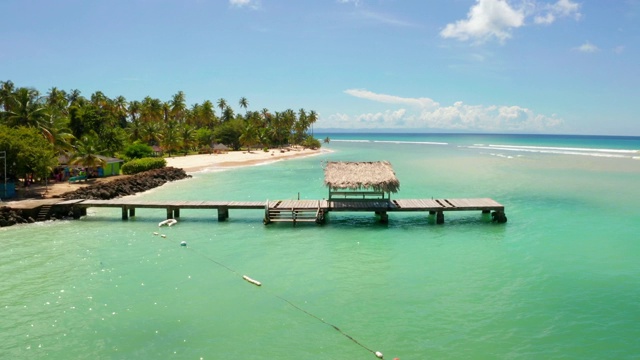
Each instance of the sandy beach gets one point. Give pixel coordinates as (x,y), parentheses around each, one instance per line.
(190,164)
(194,163)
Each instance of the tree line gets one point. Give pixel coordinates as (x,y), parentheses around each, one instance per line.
(82,127)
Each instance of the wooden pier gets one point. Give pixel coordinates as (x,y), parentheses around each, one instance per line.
(295,211)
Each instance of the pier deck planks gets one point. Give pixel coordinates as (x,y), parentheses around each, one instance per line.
(378,205)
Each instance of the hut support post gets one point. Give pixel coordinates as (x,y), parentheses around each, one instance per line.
(439,217)
(169,213)
(125,215)
(78,211)
(499,216)
(223,213)
(132,212)
(176,213)
(384,217)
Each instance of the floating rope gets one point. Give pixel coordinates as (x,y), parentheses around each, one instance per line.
(378,354)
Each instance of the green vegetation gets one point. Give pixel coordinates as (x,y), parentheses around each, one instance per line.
(82,128)
(28,152)
(137,151)
(139,165)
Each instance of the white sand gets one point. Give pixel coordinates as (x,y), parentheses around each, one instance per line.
(193,163)
(190,163)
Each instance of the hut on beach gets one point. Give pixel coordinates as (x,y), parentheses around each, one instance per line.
(360,180)
(220,149)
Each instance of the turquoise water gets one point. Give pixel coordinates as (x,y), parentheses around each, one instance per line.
(560,280)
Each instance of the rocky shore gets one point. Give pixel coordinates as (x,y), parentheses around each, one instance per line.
(9,216)
(128,186)
(29,213)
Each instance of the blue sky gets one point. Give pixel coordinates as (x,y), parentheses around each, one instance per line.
(525,66)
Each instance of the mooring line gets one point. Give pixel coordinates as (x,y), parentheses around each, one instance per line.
(324,322)
(376,353)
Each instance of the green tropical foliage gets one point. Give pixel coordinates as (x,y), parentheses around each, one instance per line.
(27,152)
(139,165)
(82,128)
(138,151)
(87,153)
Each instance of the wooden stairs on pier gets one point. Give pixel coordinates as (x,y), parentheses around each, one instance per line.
(294,211)
(43,213)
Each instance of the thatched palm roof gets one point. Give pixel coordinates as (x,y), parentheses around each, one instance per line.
(377,175)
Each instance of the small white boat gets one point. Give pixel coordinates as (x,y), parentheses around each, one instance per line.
(168,222)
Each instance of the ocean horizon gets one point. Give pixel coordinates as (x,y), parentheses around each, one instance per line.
(558,280)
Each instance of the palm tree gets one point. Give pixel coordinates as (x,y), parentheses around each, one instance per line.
(135,130)
(151,110)
(86,153)
(243,103)
(99,99)
(178,106)
(222,104)
(134,109)
(170,138)
(266,117)
(6,91)
(208,115)
(74,97)
(26,108)
(227,114)
(56,131)
(313,117)
(57,101)
(119,106)
(187,137)
(151,133)
(249,136)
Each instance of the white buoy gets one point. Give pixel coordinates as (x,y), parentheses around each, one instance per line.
(163,235)
(379,355)
(183,243)
(155,233)
(254,282)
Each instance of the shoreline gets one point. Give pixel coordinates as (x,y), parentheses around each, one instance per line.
(40,194)
(234,159)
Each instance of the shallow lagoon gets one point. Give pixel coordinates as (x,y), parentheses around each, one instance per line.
(560,279)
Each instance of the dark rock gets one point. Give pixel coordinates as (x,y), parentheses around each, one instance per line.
(128,186)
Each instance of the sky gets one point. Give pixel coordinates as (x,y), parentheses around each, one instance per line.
(483,66)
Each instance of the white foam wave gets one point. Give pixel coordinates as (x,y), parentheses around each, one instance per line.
(562,151)
(411,142)
(621,151)
(356,141)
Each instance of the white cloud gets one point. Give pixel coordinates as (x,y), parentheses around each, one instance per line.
(487,118)
(355,2)
(253,4)
(545,20)
(392,99)
(486,19)
(239,3)
(566,8)
(386,19)
(562,8)
(587,48)
(458,116)
(497,19)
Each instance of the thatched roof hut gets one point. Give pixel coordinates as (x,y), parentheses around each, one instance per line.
(377,176)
